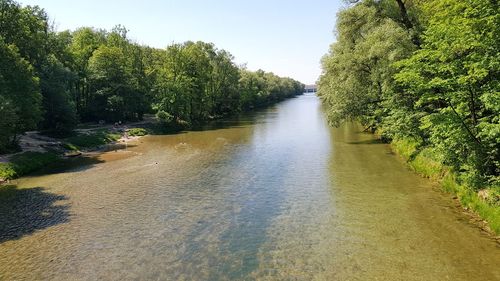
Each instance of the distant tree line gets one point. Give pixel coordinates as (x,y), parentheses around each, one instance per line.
(53,80)
(426,71)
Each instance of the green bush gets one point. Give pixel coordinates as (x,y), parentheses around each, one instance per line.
(7,171)
(137,132)
(164,117)
(90,140)
(27,162)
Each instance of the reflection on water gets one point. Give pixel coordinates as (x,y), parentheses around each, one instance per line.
(271,195)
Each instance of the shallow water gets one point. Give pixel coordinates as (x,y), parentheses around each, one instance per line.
(274,195)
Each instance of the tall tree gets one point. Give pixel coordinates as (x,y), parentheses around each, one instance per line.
(357,73)
(19,93)
(454,79)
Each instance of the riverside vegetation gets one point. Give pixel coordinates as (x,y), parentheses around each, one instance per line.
(51,81)
(424,76)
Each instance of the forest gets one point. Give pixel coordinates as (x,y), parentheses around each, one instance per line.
(52,81)
(424,76)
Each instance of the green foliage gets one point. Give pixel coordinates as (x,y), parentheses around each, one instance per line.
(19,94)
(115,92)
(92,139)
(164,117)
(452,80)
(59,110)
(406,147)
(196,81)
(430,86)
(444,94)
(358,71)
(28,33)
(9,117)
(27,162)
(7,171)
(51,80)
(137,132)
(261,88)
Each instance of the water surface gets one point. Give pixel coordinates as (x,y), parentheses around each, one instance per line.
(274,195)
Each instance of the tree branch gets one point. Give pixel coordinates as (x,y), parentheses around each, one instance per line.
(464,125)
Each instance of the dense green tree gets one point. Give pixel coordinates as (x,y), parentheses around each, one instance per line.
(454,82)
(9,117)
(223,83)
(261,88)
(59,110)
(108,78)
(25,27)
(358,72)
(51,80)
(83,43)
(430,76)
(28,29)
(19,93)
(196,81)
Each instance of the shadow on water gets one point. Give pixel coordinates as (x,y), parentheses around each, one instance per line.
(369,141)
(117,146)
(81,163)
(241,120)
(26,210)
(248,230)
(238,121)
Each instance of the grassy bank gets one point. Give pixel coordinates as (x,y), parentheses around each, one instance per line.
(28,162)
(90,140)
(423,161)
(25,163)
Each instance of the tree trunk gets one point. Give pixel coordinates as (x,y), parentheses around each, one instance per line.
(473,107)
(404,14)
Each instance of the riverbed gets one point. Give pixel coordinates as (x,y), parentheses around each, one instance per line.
(272,195)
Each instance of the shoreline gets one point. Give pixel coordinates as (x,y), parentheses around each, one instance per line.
(48,151)
(39,144)
(481,214)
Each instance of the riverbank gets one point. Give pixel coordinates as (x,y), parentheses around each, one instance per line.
(38,151)
(484,204)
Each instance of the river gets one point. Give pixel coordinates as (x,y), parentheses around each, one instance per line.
(272,195)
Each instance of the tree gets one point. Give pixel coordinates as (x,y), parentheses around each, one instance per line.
(28,29)
(59,110)
(357,73)
(453,79)
(83,43)
(108,78)
(51,79)
(260,88)
(19,93)
(9,117)
(223,83)
(441,92)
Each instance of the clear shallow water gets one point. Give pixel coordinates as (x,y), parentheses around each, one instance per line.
(276,195)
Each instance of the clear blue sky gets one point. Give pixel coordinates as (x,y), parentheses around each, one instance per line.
(287,37)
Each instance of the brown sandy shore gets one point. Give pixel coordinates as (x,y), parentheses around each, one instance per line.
(34,141)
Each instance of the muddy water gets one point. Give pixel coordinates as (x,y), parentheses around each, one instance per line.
(277,195)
